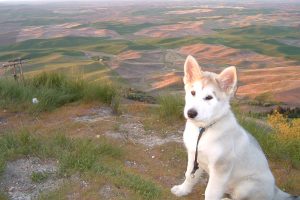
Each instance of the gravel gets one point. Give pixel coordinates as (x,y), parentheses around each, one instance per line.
(16,179)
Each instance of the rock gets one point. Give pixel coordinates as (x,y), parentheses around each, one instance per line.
(35,101)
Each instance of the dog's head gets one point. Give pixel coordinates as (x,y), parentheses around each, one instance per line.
(207,94)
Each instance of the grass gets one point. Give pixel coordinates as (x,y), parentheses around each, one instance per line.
(170,108)
(261,39)
(264,99)
(52,90)
(63,42)
(38,177)
(3,196)
(76,155)
(120,28)
(274,144)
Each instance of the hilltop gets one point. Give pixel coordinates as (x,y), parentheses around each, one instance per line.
(107,119)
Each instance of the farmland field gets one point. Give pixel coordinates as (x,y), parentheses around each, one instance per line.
(248,36)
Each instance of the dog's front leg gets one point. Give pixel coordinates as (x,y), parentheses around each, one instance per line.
(190,181)
(218,178)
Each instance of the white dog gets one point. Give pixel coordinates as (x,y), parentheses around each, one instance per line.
(232,158)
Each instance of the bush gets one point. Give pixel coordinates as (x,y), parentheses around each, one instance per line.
(285,129)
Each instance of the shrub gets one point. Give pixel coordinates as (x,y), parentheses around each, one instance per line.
(285,129)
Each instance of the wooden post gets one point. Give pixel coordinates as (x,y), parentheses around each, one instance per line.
(21,70)
(15,72)
(16,66)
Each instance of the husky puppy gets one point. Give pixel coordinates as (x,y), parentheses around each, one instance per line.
(233,159)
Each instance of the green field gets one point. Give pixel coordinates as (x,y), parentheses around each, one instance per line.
(261,39)
(120,28)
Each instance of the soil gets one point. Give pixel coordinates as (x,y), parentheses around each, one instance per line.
(62,30)
(187,28)
(130,130)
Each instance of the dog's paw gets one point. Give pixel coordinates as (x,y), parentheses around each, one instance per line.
(180,190)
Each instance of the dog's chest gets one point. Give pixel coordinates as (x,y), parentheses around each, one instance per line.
(206,146)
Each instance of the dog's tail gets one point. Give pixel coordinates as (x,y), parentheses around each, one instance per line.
(280,195)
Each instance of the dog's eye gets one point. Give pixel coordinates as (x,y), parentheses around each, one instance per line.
(208,97)
(193,93)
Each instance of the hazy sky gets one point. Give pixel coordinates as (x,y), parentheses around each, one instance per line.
(55,0)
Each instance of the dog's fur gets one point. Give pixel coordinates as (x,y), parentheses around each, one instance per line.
(232,158)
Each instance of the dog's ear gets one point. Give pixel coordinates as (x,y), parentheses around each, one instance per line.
(227,80)
(192,71)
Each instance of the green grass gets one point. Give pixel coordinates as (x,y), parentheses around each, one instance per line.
(110,47)
(68,46)
(38,177)
(274,147)
(120,28)
(261,39)
(150,12)
(38,54)
(52,90)
(63,42)
(76,155)
(170,107)
(169,43)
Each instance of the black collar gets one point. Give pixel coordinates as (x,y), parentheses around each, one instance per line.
(196,164)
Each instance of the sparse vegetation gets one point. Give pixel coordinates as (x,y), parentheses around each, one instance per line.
(140,96)
(39,177)
(81,155)
(3,196)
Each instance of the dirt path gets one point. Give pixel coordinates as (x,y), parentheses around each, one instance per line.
(130,130)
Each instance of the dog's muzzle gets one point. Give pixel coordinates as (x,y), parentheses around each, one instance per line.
(192,113)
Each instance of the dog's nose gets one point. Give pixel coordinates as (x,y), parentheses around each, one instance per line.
(192,113)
